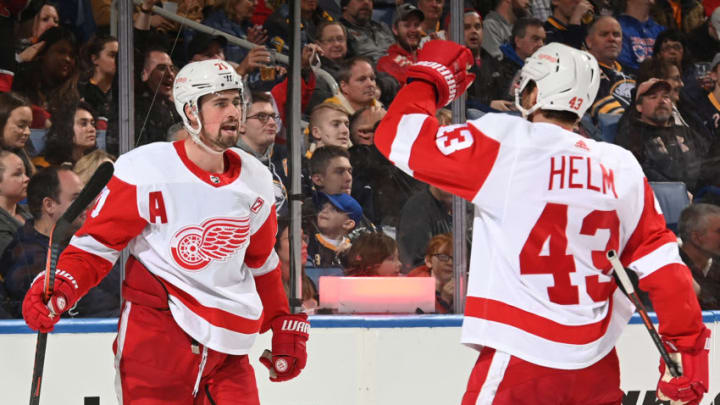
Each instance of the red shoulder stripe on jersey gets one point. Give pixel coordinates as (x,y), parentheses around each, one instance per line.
(650,232)
(674,301)
(114,220)
(87,268)
(215,316)
(497,311)
(262,242)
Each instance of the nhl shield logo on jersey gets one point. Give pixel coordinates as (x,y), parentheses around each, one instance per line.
(194,247)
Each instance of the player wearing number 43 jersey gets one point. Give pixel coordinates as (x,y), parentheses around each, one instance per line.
(542,306)
(202,279)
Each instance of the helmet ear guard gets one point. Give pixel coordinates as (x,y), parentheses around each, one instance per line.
(567,79)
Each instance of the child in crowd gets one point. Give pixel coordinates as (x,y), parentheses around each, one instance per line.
(338,215)
(373,254)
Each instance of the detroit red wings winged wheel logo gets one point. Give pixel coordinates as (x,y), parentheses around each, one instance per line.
(194,247)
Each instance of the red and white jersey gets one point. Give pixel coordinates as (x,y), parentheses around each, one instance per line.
(191,229)
(549,205)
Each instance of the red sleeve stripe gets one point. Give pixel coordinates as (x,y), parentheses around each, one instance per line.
(497,311)
(89,244)
(270,264)
(408,130)
(215,316)
(664,255)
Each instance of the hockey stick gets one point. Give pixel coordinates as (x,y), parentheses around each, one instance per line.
(630,291)
(59,234)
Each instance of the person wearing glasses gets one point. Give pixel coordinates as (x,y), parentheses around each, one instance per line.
(439,264)
(261,125)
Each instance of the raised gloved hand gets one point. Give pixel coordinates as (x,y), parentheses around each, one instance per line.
(288,356)
(41,316)
(444,64)
(690,387)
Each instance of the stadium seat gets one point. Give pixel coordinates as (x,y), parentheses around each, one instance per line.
(673,198)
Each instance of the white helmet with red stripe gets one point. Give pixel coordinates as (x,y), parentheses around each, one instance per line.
(567,79)
(197,79)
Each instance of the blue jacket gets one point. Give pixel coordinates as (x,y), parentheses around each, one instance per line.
(219,20)
(638,41)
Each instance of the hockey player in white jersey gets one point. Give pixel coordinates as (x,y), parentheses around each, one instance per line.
(202,280)
(542,306)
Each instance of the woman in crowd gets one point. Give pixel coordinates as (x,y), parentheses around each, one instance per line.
(13,189)
(373,254)
(282,247)
(439,264)
(46,18)
(71,136)
(15,119)
(98,60)
(50,81)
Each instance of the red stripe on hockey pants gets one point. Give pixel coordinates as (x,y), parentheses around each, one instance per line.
(157,364)
(501,379)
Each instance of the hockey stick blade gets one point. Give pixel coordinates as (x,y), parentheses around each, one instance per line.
(59,233)
(630,291)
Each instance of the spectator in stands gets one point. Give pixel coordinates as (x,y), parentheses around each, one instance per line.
(258,139)
(639,31)
(154,108)
(282,247)
(46,18)
(357,86)
(50,193)
(439,264)
(567,24)
(541,9)
(86,165)
(367,38)
(499,22)
(278,24)
(15,121)
(204,46)
(671,46)
(233,17)
(71,136)
(403,53)
(426,214)
(363,123)
(330,170)
(337,216)
(332,38)
(329,125)
(473,35)
(699,229)
(373,254)
(704,41)
(432,11)
(709,106)
(497,76)
(13,189)
(604,42)
(98,61)
(666,151)
(50,80)
(678,15)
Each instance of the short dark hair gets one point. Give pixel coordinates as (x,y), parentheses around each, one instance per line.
(694,219)
(520,27)
(321,158)
(344,72)
(45,183)
(260,97)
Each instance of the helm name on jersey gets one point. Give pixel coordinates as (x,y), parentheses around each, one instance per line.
(580,172)
(194,247)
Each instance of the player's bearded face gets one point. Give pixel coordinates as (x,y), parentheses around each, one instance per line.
(221,116)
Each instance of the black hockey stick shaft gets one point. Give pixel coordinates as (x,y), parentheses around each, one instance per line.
(630,290)
(58,234)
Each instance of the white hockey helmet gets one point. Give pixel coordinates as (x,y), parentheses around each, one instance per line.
(567,79)
(197,79)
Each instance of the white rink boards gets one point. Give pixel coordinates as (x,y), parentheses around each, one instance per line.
(352,360)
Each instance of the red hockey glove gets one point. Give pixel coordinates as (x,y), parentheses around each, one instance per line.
(41,316)
(690,387)
(444,64)
(288,356)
